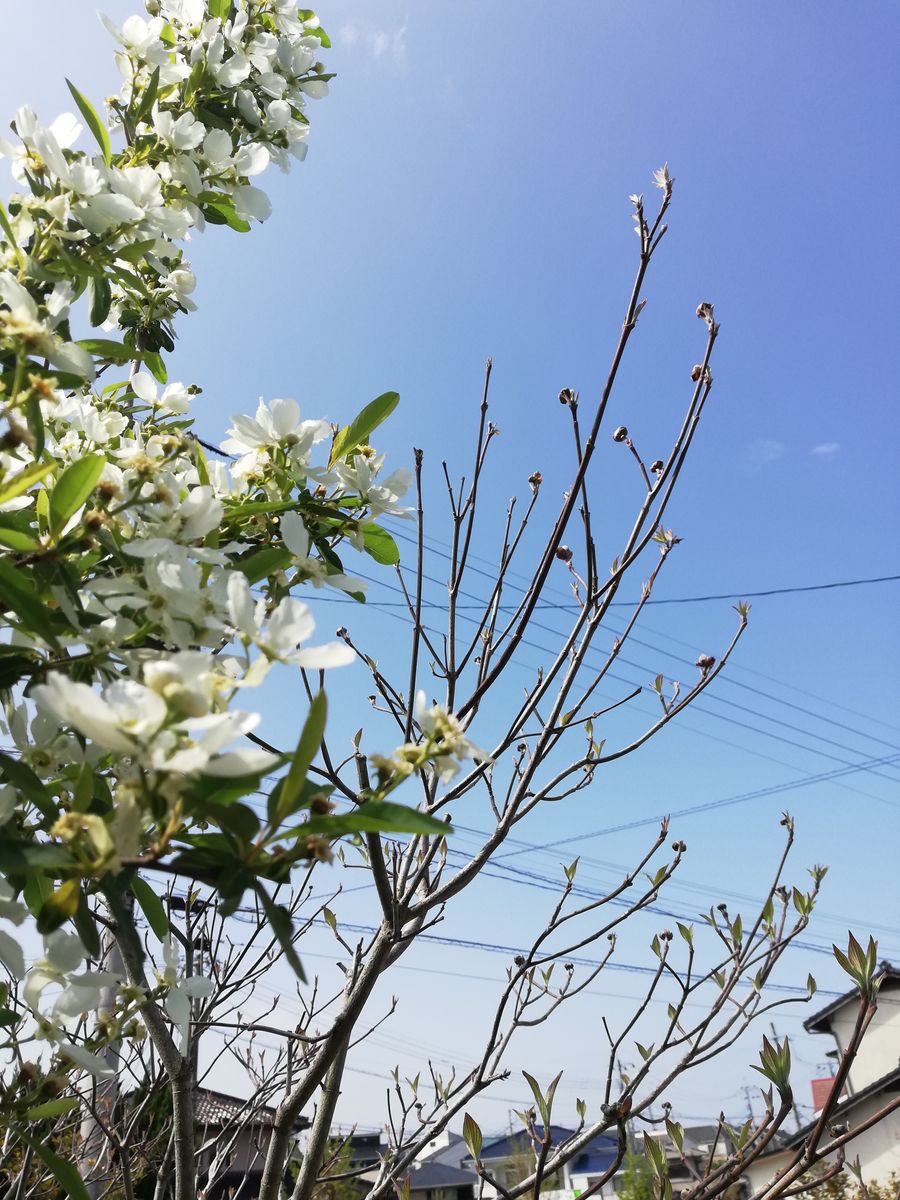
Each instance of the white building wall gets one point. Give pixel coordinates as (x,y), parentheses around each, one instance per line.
(878,1149)
(880,1049)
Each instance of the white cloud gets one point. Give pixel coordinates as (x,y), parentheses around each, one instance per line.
(826,450)
(380,44)
(764,452)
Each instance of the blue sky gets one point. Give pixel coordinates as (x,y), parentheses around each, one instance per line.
(465,195)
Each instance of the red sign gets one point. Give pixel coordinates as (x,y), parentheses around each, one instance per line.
(821,1090)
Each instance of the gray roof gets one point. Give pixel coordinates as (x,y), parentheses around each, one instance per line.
(219,1109)
(450,1155)
(819,1022)
(432,1174)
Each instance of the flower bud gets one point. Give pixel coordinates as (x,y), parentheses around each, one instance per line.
(564,554)
(705,663)
(566,396)
(657,466)
(696,371)
(620,434)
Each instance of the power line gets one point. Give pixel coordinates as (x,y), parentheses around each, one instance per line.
(772,790)
(866,765)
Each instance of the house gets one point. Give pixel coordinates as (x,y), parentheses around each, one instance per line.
(699,1144)
(510,1158)
(437,1173)
(240,1131)
(872,1082)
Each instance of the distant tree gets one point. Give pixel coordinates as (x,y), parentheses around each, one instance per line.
(637,1180)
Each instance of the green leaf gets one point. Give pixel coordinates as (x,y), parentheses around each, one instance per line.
(51,1108)
(321,35)
(262,562)
(18,591)
(357,433)
(20,857)
(35,419)
(99,299)
(59,907)
(148,99)
(155,365)
(13,667)
(96,126)
(86,926)
(24,479)
(220,212)
(379,544)
(107,350)
(240,821)
(73,488)
(15,532)
(307,748)
(283,928)
(151,906)
(471,1132)
(540,1101)
(65,1174)
(36,890)
(24,780)
(377,816)
(219,9)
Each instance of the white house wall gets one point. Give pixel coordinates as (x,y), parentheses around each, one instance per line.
(880,1049)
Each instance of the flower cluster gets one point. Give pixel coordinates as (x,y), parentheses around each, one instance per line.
(444,746)
(144,588)
(212,93)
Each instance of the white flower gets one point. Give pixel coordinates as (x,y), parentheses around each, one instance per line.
(276,426)
(249,160)
(175,397)
(278,638)
(180,991)
(450,744)
(382,496)
(11,954)
(124,716)
(252,202)
(63,953)
(316,88)
(23,321)
(295,536)
(140,39)
(180,133)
